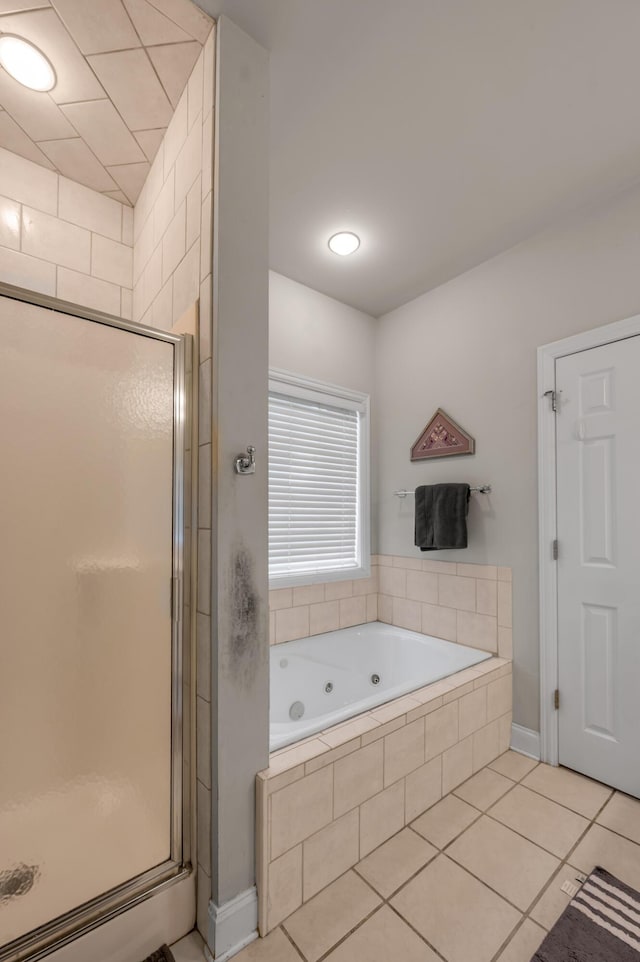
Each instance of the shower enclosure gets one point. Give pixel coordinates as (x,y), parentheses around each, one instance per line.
(92,528)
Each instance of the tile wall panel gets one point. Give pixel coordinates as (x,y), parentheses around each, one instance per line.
(465,603)
(326,802)
(61,238)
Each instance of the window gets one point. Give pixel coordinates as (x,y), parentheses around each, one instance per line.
(318,481)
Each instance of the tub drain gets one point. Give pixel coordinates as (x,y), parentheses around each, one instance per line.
(296,711)
(328,687)
(375,679)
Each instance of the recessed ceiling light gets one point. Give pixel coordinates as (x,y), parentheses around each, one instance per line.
(26,63)
(343,243)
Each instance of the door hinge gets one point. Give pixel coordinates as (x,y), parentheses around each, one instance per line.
(556,699)
(553,397)
(554,549)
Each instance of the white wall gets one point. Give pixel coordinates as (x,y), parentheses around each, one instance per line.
(62,239)
(239,603)
(470,347)
(316,336)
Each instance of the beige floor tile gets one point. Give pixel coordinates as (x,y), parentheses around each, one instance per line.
(511,865)
(546,823)
(327,918)
(382,937)
(622,815)
(445,820)
(523,944)
(432,903)
(390,865)
(276,947)
(553,900)
(485,788)
(574,791)
(190,948)
(513,765)
(618,855)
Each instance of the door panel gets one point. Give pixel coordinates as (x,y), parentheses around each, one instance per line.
(599,644)
(598,457)
(86,523)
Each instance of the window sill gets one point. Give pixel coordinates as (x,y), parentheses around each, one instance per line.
(321,577)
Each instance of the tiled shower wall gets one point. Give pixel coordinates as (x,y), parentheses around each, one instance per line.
(172,223)
(172,268)
(62,239)
(466,603)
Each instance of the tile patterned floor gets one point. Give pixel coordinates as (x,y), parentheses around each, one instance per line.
(189,949)
(476,878)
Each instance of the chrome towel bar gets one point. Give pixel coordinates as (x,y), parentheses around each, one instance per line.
(480,488)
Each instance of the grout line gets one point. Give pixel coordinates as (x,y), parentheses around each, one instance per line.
(486,884)
(413,929)
(564,864)
(287,936)
(541,795)
(511,936)
(350,932)
(589,827)
(527,838)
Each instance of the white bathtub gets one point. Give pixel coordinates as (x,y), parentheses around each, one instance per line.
(329,678)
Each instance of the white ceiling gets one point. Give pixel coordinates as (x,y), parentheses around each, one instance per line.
(441,131)
(121,66)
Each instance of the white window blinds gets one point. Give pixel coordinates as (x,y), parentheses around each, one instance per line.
(314,485)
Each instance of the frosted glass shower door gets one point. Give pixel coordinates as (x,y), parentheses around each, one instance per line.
(86,528)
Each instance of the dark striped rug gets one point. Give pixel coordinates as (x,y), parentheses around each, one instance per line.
(601,924)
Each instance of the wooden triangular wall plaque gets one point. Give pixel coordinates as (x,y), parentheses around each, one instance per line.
(442,438)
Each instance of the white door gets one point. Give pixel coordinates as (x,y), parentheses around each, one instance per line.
(598,492)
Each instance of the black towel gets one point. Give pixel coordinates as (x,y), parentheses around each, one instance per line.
(441,516)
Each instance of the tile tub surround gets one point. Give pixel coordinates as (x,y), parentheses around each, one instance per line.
(477,877)
(327,802)
(315,608)
(466,603)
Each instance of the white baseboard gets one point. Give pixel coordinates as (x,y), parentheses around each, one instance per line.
(525,741)
(233,925)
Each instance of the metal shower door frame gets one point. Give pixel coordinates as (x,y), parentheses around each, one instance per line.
(64,929)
